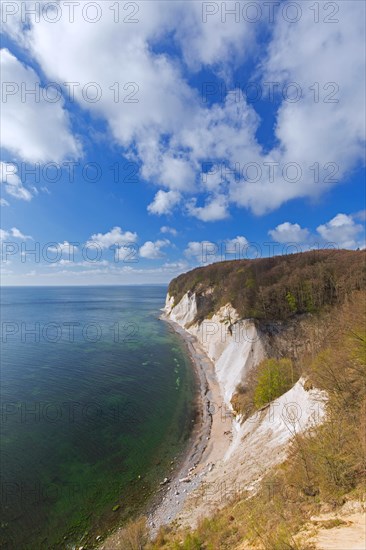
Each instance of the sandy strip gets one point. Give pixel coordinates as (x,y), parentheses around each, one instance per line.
(210,439)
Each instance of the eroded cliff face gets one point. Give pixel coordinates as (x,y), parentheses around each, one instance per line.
(182,313)
(234,345)
(260,442)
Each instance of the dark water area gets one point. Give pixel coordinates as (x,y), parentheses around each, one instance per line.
(96,399)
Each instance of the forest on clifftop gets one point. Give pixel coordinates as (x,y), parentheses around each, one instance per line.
(275,288)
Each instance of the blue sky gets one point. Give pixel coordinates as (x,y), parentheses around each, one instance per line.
(168,135)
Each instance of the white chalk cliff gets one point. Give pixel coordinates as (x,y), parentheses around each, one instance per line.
(232,344)
(235,346)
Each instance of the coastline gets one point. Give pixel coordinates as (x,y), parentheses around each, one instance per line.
(223,458)
(210,438)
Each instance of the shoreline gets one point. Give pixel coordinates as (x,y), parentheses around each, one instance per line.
(210,438)
(208,442)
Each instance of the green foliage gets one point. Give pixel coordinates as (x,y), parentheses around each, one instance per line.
(191,542)
(250,283)
(274,378)
(308,297)
(291,300)
(275,288)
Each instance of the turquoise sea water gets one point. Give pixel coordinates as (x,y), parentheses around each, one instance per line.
(97,398)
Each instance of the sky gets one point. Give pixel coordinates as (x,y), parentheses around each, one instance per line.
(142,139)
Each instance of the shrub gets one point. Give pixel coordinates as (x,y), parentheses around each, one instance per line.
(291,300)
(274,377)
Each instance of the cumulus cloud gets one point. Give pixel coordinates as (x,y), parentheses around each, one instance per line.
(361,215)
(159,111)
(327,124)
(127,253)
(162,121)
(164,202)
(32,128)
(175,173)
(64,248)
(289,233)
(194,248)
(152,250)
(202,252)
(12,183)
(236,244)
(343,231)
(225,249)
(113,237)
(206,41)
(15,233)
(167,229)
(214,209)
(175,267)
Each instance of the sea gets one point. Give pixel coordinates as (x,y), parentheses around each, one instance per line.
(97,406)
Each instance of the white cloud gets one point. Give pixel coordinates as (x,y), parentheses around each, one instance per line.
(3,202)
(126,253)
(175,173)
(72,264)
(12,182)
(235,244)
(205,252)
(328,127)
(215,39)
(343,231)
(113,237)
(15,233)
(164,202)
(18,234)
(170,131)
(214,209)
(231,249)
(361,215)
(64,248)
(152,250)
(175,267)
(32,128)
(166,105)
(289,233)
(202,251)
(167,229)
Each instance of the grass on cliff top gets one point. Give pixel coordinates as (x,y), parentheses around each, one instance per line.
(275,288)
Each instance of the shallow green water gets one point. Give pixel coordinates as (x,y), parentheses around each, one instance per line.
(95,403)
